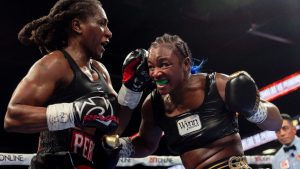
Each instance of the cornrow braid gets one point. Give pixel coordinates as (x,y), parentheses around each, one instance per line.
(51,32)
(174,42)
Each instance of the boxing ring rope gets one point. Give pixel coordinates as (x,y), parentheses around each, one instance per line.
(8,159)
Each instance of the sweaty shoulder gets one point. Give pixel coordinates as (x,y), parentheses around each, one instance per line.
(221,80)
(198,80)
(53,66)
(55,61)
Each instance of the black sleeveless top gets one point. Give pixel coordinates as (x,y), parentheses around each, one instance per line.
(71,140)
(199,127)
(79,86)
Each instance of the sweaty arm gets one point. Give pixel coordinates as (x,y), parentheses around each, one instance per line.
(25,113)
(241,95)
(146,141)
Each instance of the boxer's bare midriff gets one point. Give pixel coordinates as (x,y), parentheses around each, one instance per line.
(220,149)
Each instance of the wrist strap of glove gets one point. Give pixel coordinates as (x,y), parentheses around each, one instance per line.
(127,97)
(60,116)
(260,115)
(127,147)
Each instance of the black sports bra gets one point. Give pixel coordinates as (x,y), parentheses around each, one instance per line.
(199,127)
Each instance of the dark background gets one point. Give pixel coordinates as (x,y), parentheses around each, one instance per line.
(217,30)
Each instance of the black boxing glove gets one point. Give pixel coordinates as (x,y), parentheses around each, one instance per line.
(95,109)
(135,78)
(242,96)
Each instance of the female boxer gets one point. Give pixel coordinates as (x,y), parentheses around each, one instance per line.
(197,112)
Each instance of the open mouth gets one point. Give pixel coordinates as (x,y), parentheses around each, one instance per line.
(161,82)
(103,44)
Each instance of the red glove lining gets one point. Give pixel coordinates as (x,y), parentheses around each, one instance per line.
(130,69)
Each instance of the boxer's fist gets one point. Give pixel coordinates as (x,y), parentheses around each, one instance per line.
(106,152)
(242,96)
(135,78)
(111,142)
(114,144)
(135,70)
(96,110)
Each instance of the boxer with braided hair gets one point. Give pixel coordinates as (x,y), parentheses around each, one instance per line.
(197,112)
(67,95)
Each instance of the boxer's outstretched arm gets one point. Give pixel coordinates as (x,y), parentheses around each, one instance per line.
(146,141)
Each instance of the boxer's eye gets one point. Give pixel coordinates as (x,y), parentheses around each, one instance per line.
(150,67)
(165,65)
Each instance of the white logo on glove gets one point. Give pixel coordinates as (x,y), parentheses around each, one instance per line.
(100,108)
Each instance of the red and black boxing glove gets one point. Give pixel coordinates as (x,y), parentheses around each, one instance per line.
(135,78)
(96,109)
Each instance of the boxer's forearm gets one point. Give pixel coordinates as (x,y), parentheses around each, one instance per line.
(25,119)
(124,115)
(142,149)
(273,121)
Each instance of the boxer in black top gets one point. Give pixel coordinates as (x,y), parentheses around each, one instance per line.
(196,112)
(67,95)
(186,131)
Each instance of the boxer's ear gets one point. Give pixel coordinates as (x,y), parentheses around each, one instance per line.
(76,25)
(187,64)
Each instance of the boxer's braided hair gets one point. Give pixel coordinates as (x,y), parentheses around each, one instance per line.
(51,32)
(175,43)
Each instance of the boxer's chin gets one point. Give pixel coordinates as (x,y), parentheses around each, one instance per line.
(163,91)
(99,56)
